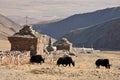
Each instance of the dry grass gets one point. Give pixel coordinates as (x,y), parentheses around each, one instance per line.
(84,69)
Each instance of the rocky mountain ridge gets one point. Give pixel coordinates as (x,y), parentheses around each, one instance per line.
(60,28)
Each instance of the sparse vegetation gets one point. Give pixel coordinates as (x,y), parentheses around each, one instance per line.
(84,69)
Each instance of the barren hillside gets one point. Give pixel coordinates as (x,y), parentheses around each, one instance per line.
(4,45)
(7,27)
(101,36)
(60,28)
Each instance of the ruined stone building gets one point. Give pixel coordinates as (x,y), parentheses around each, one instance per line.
(27,40)
(64,44)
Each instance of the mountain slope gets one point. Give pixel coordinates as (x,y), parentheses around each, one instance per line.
(7,27)
(105,35)
(58,29)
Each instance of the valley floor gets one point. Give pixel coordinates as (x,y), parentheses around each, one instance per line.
(84,69)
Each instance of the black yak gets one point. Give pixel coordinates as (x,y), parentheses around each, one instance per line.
(66,60)
(37,59)
(102,62)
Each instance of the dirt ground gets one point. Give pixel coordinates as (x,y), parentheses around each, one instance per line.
(84,69)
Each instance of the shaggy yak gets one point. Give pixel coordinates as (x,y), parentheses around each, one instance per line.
(37,59)
(103,62)
(66,60)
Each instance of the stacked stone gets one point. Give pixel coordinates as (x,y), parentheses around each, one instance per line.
(14,57)
(64,44)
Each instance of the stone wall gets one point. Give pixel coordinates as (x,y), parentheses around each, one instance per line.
(14,57)
(64,44)
(63,47)
(40,45)
(22,44)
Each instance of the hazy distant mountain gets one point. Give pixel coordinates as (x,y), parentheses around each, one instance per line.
(7,27)
(102,36)
(58,29)
(22,20)
(49,21)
